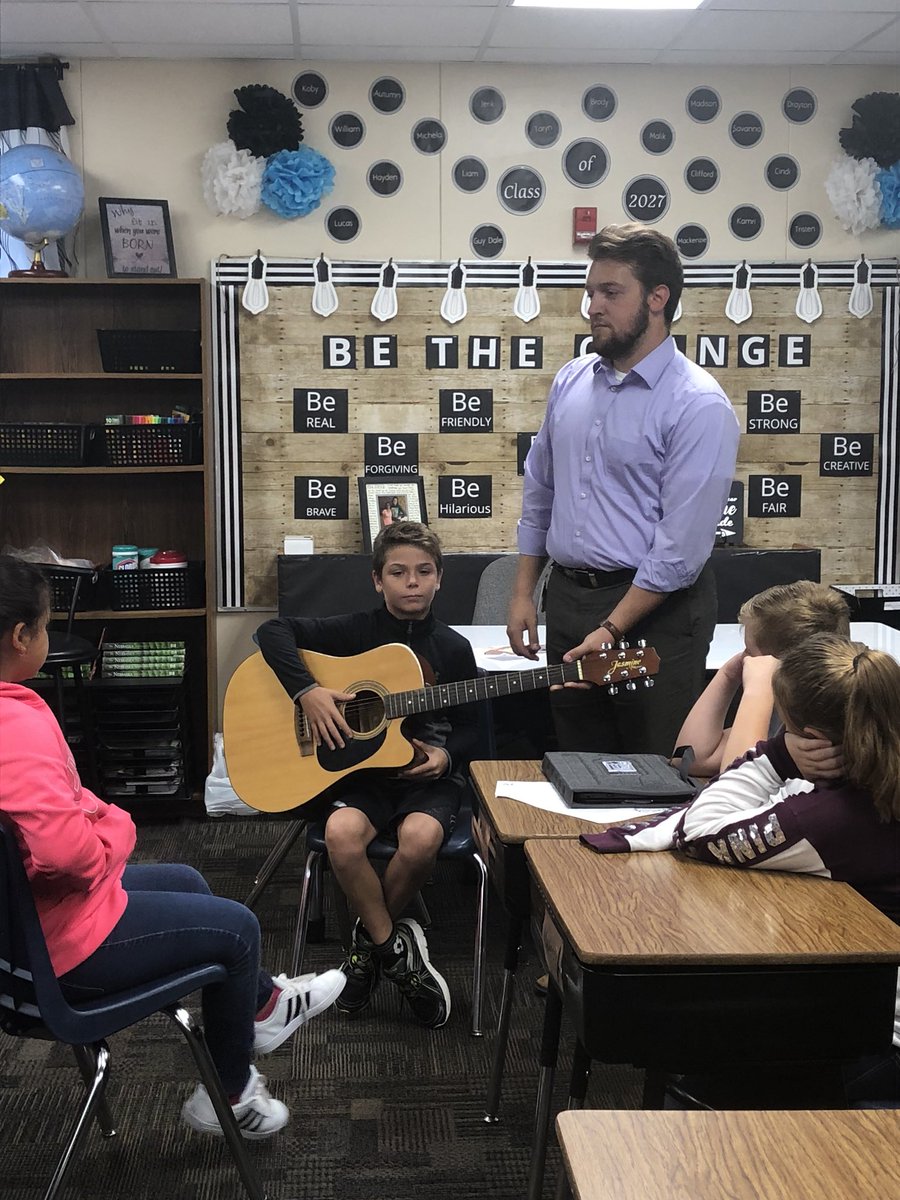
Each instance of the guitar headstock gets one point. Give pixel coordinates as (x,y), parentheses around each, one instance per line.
(621,664)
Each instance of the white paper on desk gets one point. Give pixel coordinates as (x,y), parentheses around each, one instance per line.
(541,794)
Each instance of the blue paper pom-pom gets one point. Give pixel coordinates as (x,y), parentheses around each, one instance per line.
(889,182)
(294,181)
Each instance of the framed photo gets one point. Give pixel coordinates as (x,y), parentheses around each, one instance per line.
(385,501)
(137,237)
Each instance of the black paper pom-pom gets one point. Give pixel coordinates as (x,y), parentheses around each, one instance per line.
(268,123)
(875,132)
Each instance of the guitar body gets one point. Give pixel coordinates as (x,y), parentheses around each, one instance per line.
(273,766)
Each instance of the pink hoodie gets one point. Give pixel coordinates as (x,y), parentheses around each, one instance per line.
(74,845)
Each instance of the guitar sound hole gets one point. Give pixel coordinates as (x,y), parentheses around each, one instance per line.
(365,714)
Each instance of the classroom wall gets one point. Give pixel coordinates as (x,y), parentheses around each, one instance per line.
(143,127)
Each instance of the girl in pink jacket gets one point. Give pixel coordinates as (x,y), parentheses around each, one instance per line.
(110,926)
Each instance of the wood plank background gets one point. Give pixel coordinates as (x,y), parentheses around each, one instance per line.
(281,349)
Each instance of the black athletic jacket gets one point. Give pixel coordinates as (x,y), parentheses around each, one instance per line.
(447,653)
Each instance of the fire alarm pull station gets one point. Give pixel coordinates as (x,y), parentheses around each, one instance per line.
(584,225)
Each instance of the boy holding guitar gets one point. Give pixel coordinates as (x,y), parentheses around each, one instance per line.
(419,803)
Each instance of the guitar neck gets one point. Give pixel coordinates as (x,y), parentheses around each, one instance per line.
(511,683)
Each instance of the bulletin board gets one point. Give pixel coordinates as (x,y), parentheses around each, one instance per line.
(306,405)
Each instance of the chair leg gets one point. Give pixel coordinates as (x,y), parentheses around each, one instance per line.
(313,866)
(86,1058)
(194,1036)
(94,1097)
(274,861)
(480,946)
(422,911)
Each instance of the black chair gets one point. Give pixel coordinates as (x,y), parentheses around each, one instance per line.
(67,650)
(32,1005)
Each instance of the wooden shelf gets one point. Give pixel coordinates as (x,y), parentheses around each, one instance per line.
(132,614)
(196,469)
(95,376)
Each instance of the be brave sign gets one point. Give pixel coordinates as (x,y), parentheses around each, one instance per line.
(321,498)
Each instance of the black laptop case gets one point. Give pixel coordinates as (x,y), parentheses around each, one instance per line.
(609,779)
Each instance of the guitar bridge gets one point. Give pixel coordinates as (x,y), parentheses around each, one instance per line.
(303,734)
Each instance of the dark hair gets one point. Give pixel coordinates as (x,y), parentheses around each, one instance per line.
(406,533)
(24,593)
(851,694)
(651,255)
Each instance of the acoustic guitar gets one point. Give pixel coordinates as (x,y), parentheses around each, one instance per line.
(274,764)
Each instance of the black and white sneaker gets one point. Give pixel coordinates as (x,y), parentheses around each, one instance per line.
(361,968)
(258,1114)
(424,988)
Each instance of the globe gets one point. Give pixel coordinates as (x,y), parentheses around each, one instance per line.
(41,194)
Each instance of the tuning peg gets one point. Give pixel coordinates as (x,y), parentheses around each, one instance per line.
(642,671)
(642,644)
(607,678)
(621,653)
(623,674)
(648,682)
(630,686)
(613,690)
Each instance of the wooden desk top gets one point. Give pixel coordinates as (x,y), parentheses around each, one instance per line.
(651,1155)
(663,909)
(514,821)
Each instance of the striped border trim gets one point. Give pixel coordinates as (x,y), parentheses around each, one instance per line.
(229,474)
(887,520)
(551,274)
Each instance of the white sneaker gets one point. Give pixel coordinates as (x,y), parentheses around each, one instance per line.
(258,1114)
(300,1000)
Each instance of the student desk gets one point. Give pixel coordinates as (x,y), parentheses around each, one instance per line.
(743,1155)
(674,965)
(501,829)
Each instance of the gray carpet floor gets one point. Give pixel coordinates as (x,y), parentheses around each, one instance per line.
(380,1107)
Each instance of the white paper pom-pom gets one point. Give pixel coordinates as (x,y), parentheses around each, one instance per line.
(854,194)
(231,180)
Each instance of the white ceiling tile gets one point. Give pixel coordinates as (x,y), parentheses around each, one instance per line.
(166,24)
(741,57)
(808,6)
(56,49)
(60,21)
(590,32)
(393,26)
(454,4)
(783,31)
(378,54)
(874,58)
(174,50)
(886,39)
(564,54)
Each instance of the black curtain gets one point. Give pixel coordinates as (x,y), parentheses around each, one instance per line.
(30,95)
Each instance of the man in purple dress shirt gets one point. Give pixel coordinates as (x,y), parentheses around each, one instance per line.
(624,488)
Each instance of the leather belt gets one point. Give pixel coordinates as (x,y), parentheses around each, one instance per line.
(595,579)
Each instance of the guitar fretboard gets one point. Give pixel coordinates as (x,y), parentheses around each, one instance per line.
(512,683)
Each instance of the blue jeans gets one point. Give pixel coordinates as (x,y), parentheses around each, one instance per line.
(173,921)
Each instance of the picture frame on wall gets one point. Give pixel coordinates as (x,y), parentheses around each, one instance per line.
(137,238)
(384,502)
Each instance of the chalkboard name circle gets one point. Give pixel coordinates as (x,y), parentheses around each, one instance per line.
(782,172)
(701,175)
(746,129)
(343,224)
(309,89)
(599,102)
(692,241)
(486,104)
(585,162)
(805,230)
(347,130)
(387,95)
(799,106)
(469,174)
(429,136)
(521,190)
(745,222)
(646,199)
(703,104)
(487,241)
(385,178)
(657,137)
(543,129)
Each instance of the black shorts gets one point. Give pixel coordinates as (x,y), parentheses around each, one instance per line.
(386,801)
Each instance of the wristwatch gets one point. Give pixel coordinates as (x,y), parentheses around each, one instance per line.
(617,634)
